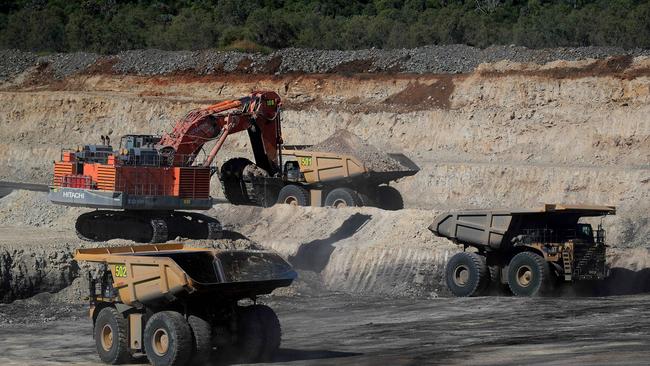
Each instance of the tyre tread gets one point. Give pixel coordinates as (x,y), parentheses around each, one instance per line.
(301,194)
(201,339)
(545,274)
(479,265)
(122,355)
(178,325)
(352,198)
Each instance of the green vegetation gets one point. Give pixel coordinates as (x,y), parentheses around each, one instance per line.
(109,26)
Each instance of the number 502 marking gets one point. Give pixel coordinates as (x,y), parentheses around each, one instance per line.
(120,270)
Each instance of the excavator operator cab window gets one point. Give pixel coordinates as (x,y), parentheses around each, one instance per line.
(138,141)
(127,142)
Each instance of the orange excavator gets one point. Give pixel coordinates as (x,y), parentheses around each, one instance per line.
(139,188)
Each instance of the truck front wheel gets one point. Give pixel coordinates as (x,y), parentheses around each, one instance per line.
(466,274)
(528,274)
(294,195)
(168,339)
(111,337)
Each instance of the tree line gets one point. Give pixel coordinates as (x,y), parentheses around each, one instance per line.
(110,26)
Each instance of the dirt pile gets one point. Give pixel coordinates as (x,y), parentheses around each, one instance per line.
(24,208)
(334,250)
(363,250)
(345,142)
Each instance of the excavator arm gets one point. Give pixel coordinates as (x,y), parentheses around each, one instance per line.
(258,113)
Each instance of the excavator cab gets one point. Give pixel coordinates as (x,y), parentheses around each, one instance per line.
(139,141)
(140,150)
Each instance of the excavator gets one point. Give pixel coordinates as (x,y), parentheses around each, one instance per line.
(140,189)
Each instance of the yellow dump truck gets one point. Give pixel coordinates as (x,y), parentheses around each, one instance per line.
(528,250)
(316,178)
(344,170)
(179,305)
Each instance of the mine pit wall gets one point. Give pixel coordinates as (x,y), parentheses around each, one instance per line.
(25,272)
(488,138)
(505,135)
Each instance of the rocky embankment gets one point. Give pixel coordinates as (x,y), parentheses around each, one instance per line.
(354,250)
(446,59)
(504,126)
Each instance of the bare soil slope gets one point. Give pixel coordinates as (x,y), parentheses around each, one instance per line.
(511,128)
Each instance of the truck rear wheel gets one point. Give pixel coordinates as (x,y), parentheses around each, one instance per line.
(496,284)
(258,336)
(271,329)
(343,197)
(466,274)
(294,195)
(201,338)
(528,274)
(168,339)
(111,337)
(389,198)
(250,338)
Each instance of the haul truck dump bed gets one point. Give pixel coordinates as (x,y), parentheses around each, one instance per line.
(325,167)
(176,304)
(523,248)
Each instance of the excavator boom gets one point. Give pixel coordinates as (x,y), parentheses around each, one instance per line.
(259,110)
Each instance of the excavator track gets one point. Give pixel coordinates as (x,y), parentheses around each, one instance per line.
(146,226)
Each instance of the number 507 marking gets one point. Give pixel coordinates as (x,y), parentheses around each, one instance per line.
(120,270)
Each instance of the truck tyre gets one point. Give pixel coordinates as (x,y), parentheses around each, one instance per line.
(168,339)
(111,337)
(466,274)
(368,200)
(389,198)
(250,337)
(294,195)
(232,183)
(201,340)
(528,274)
(496,285)
(271,329)
(343,197)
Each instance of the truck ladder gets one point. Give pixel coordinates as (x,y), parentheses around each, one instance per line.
(586,259)
(566,262)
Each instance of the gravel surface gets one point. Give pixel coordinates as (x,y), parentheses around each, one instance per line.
(447,59)
(65,64)
(14,62)
(335,329)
